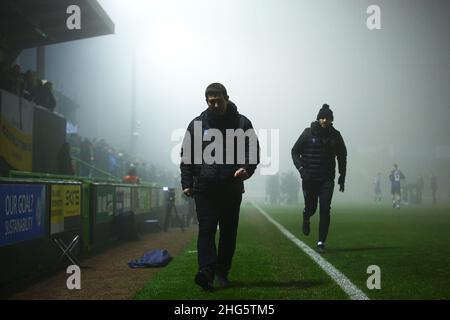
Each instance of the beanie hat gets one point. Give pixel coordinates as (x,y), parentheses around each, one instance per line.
(325,112)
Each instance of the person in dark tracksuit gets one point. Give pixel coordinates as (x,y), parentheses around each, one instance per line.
(170,206)
(217,185)
(314,155)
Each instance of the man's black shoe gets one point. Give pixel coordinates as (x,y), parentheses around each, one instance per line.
(321,247)
(306,228)
(223,281)
(205,280)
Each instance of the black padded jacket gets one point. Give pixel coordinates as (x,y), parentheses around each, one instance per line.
(202,176)
(315,152)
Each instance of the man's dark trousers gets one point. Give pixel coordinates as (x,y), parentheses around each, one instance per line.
(213,208)
(322,191)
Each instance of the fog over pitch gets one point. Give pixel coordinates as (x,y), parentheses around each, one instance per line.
(280,61)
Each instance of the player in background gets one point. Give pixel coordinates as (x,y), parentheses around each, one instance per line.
(396,177)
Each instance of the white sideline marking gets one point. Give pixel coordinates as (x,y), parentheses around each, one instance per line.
(342,281)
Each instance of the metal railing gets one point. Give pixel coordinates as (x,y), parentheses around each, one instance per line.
(84,163)
(50,176)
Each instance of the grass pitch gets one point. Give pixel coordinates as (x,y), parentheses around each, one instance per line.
(410,245)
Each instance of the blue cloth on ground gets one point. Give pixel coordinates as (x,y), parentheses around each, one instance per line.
(152,259)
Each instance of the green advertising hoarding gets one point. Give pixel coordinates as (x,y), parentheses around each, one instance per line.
(142,201)
(105,204)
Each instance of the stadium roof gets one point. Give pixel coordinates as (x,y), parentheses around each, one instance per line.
(34,23)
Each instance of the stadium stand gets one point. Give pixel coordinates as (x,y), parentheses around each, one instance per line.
(47,207)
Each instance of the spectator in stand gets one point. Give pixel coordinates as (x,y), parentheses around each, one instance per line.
(112,162)
(65,160)
(120,164)
(132,177)
(85,156)
(101,156)
(30,85)
(44,96)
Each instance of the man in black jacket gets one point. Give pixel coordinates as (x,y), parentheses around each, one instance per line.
(314,156)
(220,150)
